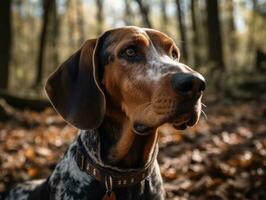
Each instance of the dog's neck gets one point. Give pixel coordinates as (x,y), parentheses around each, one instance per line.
(121,147)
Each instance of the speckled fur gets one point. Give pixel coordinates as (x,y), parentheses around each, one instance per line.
(68,182)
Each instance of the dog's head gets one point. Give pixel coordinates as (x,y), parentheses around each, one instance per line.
(133,70)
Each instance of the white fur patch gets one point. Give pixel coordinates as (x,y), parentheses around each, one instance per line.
(67,172)
(21,191)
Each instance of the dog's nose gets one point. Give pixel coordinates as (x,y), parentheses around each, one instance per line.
(184,83)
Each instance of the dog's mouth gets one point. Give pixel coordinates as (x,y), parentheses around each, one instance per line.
(185,121)
(179,122)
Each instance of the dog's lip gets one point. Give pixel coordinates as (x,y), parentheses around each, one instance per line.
(186,120)
(193,120)
(182,122)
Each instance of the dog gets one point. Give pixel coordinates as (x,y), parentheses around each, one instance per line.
(117,89)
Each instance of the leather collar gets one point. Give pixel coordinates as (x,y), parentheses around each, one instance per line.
(111,178)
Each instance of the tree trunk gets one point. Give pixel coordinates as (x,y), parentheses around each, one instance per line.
(195,38)
(214,35)
(99,16)
(183,37)
(71,28)
(231,24)
(47,5)
(215,48)
(251,33)
(128,13)
(252,23)
(80,21)
(164,18)
(5,42)
(230,7)
(55,33)
(144,11)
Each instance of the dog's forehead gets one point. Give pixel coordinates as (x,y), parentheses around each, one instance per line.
(120,35)
(157,38)
(126,32)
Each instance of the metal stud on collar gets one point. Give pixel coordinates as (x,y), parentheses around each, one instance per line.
(108,185)
(82,162)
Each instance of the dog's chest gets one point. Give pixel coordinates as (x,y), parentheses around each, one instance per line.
(69,182)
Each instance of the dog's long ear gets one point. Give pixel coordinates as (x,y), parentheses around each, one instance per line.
(74,90)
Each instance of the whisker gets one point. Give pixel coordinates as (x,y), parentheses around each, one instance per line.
(203,105)
(204,114)
(147,107)
(146,104)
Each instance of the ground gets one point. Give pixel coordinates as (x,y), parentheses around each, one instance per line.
(223,157)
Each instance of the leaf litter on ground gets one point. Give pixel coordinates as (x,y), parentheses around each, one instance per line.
(222,157)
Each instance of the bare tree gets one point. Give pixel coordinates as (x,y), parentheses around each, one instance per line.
(181,24)
(128,13)
(230,6)
(80,21)
(144,11)
(5,42)
(164,18)
(251,32)
(47,5)
(195,36)
(55,26)
(71,24)
(252,23)
(214,34)
(215,47)
(99,16)
(231,24)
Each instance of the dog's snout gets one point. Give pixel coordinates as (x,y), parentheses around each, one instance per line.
(186,83)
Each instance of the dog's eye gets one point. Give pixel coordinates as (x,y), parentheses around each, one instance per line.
(174,55)
(130,51)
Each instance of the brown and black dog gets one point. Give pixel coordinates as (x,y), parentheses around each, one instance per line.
(118,89)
